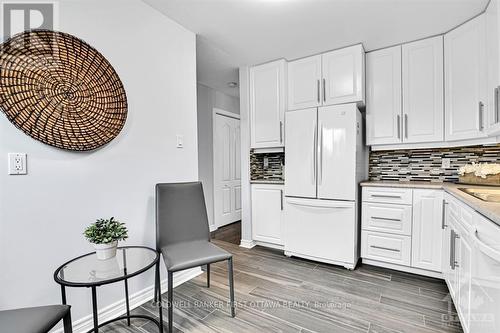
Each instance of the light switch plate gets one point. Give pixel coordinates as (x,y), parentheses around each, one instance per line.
(445,163)
(180,141)
(17,164)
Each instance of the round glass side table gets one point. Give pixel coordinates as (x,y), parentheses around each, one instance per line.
(89,272)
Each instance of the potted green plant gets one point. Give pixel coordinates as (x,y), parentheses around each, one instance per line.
(104,236)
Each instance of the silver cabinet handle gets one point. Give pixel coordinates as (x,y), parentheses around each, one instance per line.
(452,245)
(398,120)
(406,125)
(281,193)
(384,248)
(481,114)
(281,131)
(497,116)
(324,90)
(443,223)
(320,153)
(454,262)
(318,90)
(385,219)
(386,196)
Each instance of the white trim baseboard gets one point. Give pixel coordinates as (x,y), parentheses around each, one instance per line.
(401,268)
(213,227)
(247,243)
(118,308)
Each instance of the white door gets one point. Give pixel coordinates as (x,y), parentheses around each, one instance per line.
(267,104)
(227,170)
(465,270)
(267,217)
(383,99)
(423,91)
(427,229)
(323,230)
(493,60)
(300,157)
(304,83)
(343,75)
(337,130)
(465,81)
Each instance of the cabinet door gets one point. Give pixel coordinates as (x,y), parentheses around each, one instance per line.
(267,217)
(304,83)
(427,232)
(383,100)
(493,59)
(465,81)
(464,281)
(423,91)
(343,75)
(267,104)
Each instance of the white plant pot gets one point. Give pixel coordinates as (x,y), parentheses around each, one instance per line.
(105,251)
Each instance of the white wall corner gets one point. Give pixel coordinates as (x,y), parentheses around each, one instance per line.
(246,205)
(119,308)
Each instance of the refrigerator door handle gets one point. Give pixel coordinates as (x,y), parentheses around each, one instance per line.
(313,159)
(320,153)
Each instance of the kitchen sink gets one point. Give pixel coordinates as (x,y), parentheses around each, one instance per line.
(489,195)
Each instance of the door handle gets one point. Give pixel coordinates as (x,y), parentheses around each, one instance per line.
(281,193)
(281,131)
(497,116)
(481,116)
(406,125)
(324,90)
(398,120)
(318,90)
(443,224)
(320,152)
(314,152)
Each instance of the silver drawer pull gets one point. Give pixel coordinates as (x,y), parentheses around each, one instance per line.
(386,196)
(385,218)
(384,248)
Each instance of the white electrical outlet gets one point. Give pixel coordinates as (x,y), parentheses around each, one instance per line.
(445,163)
(17,164)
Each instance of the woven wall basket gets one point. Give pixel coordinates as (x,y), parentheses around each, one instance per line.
(61,91)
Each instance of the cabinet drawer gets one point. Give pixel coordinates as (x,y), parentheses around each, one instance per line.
(388,195)
(386,247)
(395,219)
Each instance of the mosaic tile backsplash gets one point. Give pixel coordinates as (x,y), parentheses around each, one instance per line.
(274,169)
(425,164)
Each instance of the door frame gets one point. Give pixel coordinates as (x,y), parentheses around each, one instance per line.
(218,112)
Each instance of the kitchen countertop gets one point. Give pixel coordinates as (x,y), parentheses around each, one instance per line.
(271,182)
(489,209)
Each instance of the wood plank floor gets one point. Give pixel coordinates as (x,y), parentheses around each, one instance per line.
(279,294)
(230,233)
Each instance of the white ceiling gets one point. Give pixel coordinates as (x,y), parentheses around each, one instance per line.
(246,32)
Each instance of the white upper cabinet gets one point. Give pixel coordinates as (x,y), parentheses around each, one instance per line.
(465,81)
(343,75)
(423,100)
(336,77)
(427,229)
(304,83)
(383,100)
(493,56)
(267,104)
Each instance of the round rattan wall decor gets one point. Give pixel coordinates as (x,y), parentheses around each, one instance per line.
(61,91)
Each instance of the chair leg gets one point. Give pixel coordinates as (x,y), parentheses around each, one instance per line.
(208,275)
(157,276)
(170,302)
(231,285)
(68,328)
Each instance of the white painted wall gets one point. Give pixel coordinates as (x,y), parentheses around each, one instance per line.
(208,99)
(43,214)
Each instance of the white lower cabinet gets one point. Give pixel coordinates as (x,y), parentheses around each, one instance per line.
(427,229)
(267,213)
(402,227)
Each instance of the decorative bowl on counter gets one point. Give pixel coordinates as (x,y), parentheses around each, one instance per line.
(480,174)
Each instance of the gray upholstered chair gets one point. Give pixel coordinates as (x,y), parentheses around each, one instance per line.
(35,320)
(183,237)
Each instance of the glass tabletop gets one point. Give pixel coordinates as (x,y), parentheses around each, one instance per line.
(87,270)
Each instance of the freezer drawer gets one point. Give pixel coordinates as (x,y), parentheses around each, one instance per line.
(395,249)
(323,230)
